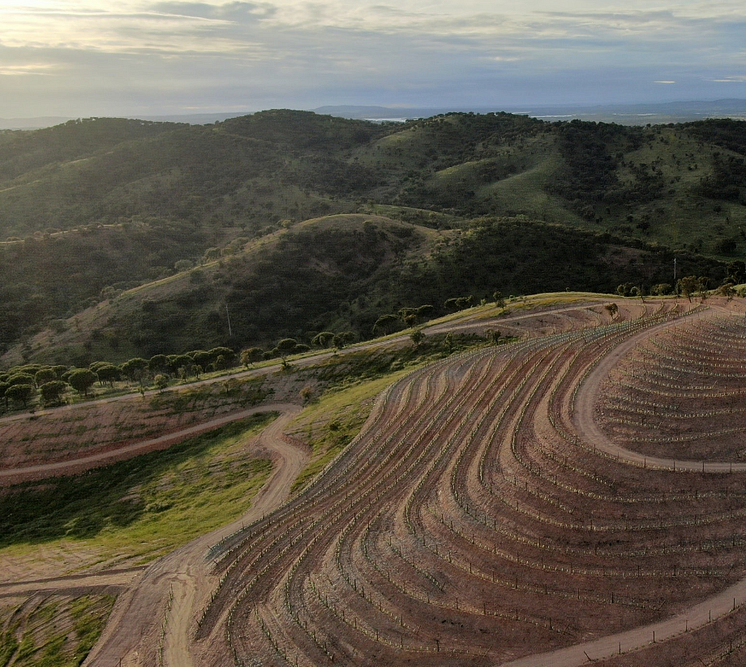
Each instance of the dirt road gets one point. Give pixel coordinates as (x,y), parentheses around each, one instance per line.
(172,589)
(691,619)
(589,430)
(99,580)
(16,475)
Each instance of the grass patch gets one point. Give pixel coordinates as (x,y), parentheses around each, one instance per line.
(330,423)
(144,506)
(58,633)
(8,646)
(89,621)
(334,420)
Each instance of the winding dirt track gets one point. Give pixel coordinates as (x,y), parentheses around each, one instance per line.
(41,471)
(132,634)
(588,428)
(480,516)
(469,522)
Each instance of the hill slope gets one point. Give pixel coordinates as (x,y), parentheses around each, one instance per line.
(342,273)
(92,207)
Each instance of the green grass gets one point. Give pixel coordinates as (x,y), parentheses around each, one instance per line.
(145,506)
(60,632)
(8,646)
(89,622)
(331,423)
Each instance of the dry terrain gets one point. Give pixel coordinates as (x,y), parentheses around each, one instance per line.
(574,496)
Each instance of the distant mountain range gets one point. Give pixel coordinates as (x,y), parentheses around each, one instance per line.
(624,114)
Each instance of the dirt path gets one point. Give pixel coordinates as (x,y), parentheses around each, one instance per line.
(463,324)
(109,578)
(181,580)
(589,430)
(693,618)
(15,475)
(468,321)
(177,587)
(642,637)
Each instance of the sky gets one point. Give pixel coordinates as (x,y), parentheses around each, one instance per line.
(80,58)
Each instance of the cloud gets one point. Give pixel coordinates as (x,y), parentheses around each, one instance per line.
(30,69)
(173,54)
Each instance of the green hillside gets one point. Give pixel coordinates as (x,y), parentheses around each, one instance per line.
(341,273)
(93,208)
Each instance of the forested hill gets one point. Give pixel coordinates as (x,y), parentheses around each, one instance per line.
(93,207)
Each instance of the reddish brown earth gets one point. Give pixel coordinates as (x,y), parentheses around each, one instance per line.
(470,524)
(477,521)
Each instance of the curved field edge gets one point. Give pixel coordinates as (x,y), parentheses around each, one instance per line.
(303,604)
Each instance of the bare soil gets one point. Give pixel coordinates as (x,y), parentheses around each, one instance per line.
(487,514)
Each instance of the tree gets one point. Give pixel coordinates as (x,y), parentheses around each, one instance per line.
(20,378)
(306,394)
(158,363)
(448,342)
(323,339)
(52,391)
(703,284)
(661,289)
(726,290)
(425,311)
(43,376)
(493,336)
(225,352)
(182,364)
(201,358)
(687,286)
(3,388)
(409,316)
(286,346)
(459,302)
(82,380)
(160,381)
(108,373)
(251,355)
(20,393)
(612,309)
(343,338)
(737,272)
(417,336)
(386,324)
(499,299)
(134,368)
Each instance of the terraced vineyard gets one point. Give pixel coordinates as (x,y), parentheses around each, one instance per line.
(473,522)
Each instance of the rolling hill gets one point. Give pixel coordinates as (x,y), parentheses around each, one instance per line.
(213,216)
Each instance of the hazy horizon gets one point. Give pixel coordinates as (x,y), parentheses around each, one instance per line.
(80,58)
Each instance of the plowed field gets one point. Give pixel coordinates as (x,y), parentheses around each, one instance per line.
(473,523)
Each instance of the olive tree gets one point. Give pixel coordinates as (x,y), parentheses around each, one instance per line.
(82,380)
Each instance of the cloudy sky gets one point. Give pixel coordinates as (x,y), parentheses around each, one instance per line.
(141,57)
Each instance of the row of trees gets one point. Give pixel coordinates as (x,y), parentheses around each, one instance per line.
(21,385)
(688,286)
